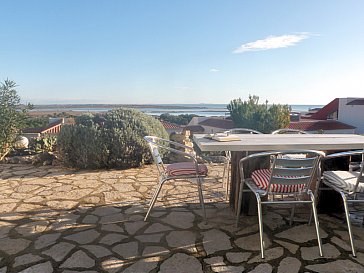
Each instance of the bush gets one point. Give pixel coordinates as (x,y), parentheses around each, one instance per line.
(112,140)
(82,147)
(31,122)
(261,117)
(43,144)
(182,119)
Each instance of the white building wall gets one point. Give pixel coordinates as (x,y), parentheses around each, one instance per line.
(351,114)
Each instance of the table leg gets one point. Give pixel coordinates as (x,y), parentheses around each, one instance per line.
(330,201)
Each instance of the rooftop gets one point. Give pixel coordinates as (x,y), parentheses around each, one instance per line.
(218,123)
(316,125)
(327,110)
(170,125)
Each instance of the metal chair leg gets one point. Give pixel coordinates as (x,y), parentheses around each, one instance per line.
(317,225)
(155,193)
(154,199)
(260,220)
(347,215)
(199,185)
(239,203)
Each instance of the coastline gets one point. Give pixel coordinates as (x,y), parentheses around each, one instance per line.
(151,109)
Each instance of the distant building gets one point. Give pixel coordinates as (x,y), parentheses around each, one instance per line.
(53,128)
(341,115)
(351,111)
(209,125)
(322,126)
(194,129)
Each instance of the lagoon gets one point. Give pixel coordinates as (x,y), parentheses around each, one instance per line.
(200,109)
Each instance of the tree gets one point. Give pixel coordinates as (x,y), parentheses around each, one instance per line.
(261,117)
(11,117)
(182,119)
(32,122)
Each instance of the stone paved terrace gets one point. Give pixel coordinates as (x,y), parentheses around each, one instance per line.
(60,220)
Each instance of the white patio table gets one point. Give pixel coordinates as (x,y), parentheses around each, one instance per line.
(269,142)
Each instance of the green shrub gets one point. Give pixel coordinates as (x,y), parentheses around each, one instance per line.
(32,122)
(182,119)
(112,140)
(261,117)
(82,147)
(43,144)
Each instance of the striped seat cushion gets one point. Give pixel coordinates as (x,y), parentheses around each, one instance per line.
(261,179)
(343,180)
(185,168)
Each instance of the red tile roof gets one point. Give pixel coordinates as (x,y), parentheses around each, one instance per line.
(316,125)
(327,110)
(169,125)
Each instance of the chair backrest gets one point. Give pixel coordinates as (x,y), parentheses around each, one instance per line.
(294,172)
(154,144)
(238,131)
(157,144)
(288,131)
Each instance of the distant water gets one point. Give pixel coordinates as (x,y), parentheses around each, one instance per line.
(173,109)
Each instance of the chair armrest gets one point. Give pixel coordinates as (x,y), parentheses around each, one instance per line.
(161,143)
(156,139)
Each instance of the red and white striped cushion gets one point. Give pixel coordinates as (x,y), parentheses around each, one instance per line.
(261,179)
(185,168)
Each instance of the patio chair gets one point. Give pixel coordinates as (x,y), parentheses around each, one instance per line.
(289,178)
(350,185)
(227,158)
(288,131)
(187,170)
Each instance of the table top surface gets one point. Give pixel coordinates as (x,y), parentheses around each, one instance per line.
(268,142)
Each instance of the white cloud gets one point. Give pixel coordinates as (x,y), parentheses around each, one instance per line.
(214,70)
(272,42)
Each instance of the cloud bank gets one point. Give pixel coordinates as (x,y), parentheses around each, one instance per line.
(272,42)
(214,70)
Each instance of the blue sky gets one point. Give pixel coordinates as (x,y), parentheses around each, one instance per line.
(190,51)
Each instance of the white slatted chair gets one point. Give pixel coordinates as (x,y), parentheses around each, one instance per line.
(227,159)
(289,177)
(289,131)
(350,184)
(187,170)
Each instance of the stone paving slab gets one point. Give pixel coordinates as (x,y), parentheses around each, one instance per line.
(61,220)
